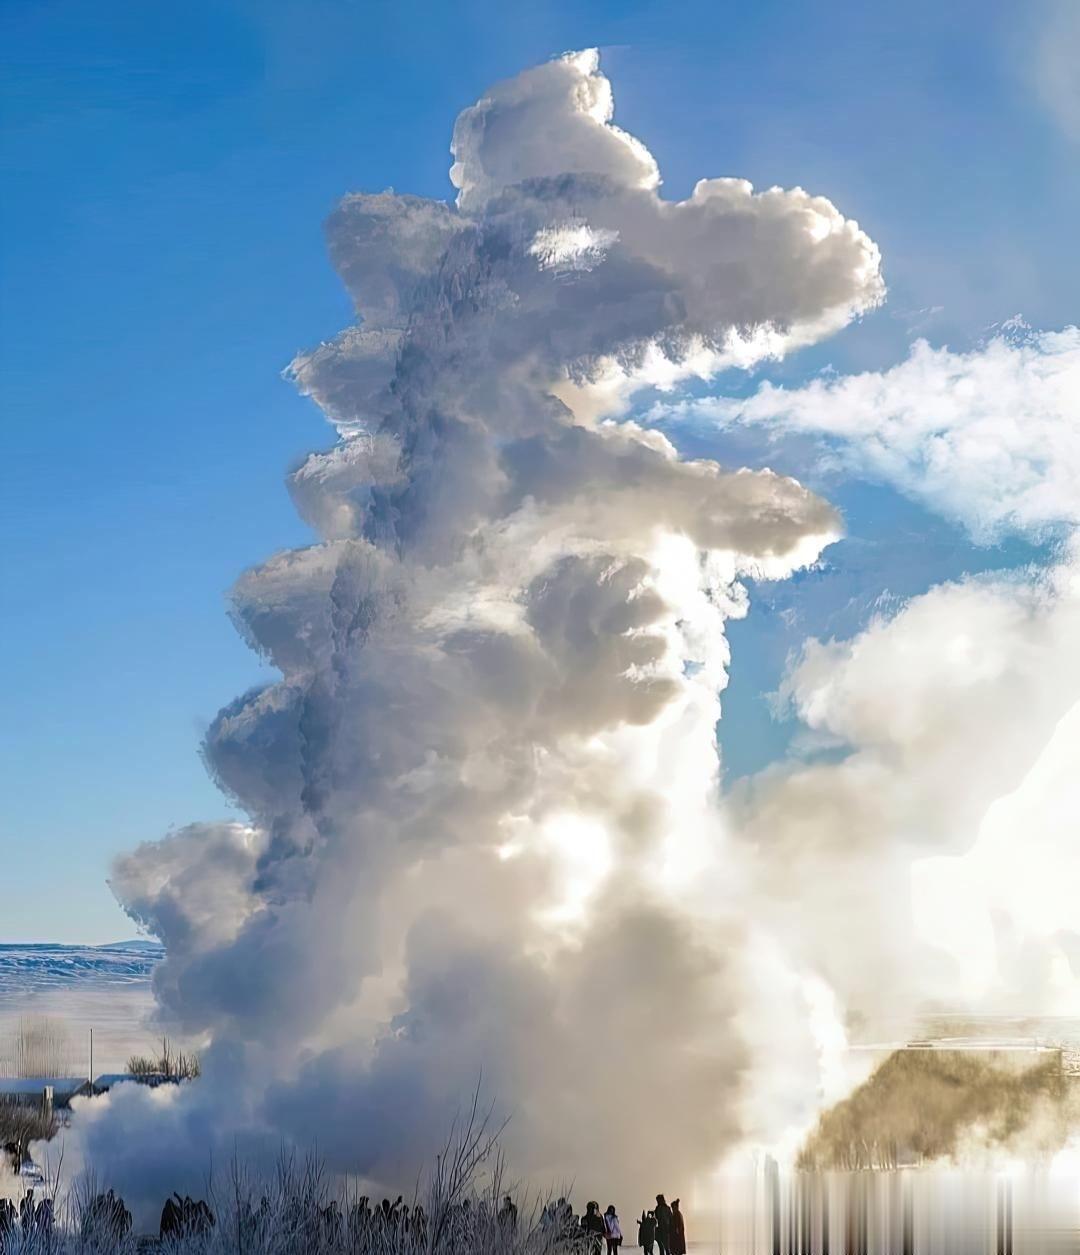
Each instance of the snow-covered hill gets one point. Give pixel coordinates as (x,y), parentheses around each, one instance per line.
(33,969)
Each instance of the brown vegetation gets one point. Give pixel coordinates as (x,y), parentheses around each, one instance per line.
(927,1104)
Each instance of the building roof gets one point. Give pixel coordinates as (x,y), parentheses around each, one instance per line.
(150,1079)
(34,1085)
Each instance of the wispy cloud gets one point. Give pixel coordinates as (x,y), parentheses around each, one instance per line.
(989,437)
(1055,65)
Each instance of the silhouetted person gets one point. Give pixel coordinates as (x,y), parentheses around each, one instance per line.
(106,1218)
(169,1225)
(360,1222)
(663,1224)
(330,1223)
(202,1218)
(44,1217)
(183,1217)
(567,1221)
(508,1215)
(247,1226)
(646,1231)
(119,1216)
(677,1241)
(593,1229)
(612,1230)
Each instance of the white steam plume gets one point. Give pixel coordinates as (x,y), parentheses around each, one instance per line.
(482,797)
(928,860)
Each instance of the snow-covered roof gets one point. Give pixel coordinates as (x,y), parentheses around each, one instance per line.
(19,1085)
(150,1079)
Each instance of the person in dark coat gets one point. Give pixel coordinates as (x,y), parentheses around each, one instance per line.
(419,1225)
(567,1221)
(663,1224)
(44,1217)
(593,1229)
(184,1217)
(677,1241)
(106,1218)
(508,1215)
(646,1232)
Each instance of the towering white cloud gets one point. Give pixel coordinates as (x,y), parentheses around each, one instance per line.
(484,831)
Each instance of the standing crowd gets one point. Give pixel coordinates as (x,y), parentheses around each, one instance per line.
(305,1222)
(32,1217)
(661,1229)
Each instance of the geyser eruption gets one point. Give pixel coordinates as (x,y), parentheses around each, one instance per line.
(484,833)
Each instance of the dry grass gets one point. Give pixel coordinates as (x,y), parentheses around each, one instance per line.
(925,1104)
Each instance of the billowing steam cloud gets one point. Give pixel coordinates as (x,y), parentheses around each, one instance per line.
(927,861)
(483,823)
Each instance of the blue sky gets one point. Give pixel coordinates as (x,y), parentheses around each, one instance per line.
(168,169)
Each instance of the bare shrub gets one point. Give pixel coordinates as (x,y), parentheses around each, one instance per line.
(169,1065)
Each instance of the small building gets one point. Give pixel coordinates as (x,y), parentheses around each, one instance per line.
(42,1091)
